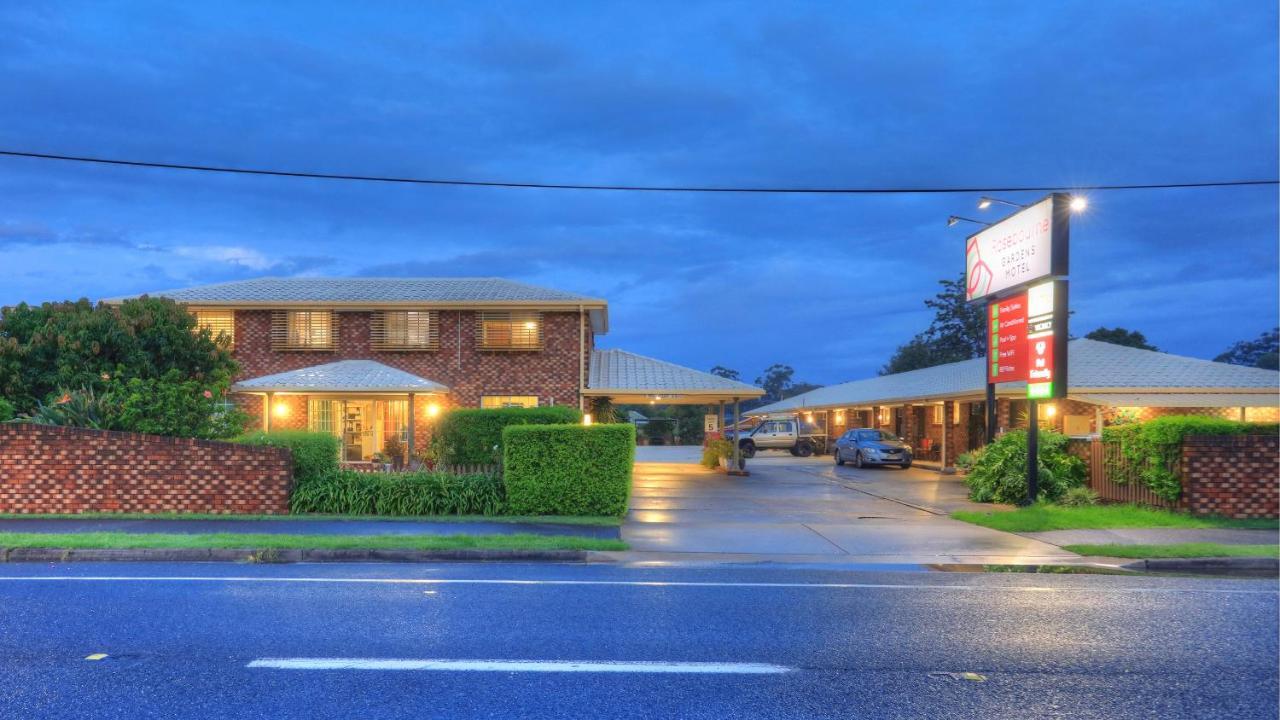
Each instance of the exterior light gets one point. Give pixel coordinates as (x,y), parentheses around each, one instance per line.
(1079,203)
(1050,410)
(281,410)
(433,409)
(586,418)
(952,220)
(984,203)
(956,218)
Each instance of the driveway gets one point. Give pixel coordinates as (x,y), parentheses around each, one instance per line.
(807,510)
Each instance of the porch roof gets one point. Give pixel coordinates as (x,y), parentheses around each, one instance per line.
(629,378)
(351,376)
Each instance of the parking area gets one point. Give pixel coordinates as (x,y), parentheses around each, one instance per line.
(808,510)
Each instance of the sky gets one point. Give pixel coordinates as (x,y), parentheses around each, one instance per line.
(858,94)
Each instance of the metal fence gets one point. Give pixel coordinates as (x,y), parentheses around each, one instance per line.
(1115,477)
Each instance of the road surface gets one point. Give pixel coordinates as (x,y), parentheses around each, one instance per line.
(552,641)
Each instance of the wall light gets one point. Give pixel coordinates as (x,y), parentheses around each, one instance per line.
(281,410)
(586,418)
(433,409)
(1050,410)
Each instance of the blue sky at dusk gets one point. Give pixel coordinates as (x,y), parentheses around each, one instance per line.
(781,94)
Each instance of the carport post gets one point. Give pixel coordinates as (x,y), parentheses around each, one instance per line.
(720,420)
(267,409)
(737,446)
(408,461)
(946,418)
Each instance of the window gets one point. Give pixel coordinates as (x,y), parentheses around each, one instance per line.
(885,415)
(937,415)
(405,330)
(304,330)
(506,401)
(218,322)
(321,416)
(509,330)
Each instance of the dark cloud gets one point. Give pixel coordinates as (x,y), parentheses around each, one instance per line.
(902,94)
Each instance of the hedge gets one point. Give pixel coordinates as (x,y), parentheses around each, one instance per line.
(473,436)
(347,492)
(568,469)
(315,455)
(999,470)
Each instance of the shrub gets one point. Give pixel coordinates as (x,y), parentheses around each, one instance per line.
(1000,473)
(1078,496)
(315,455)
(347,492)
(966,460)
(1155,446)
(568,469)
(715,450)
(6,410)
(471,436)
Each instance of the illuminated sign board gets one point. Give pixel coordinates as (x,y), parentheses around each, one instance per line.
(1046,340)
(1007,339)
(1027,246)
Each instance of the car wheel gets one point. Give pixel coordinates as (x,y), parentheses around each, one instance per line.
(839,460)
(748,449)
(906,465)
(857,459)
(804,449)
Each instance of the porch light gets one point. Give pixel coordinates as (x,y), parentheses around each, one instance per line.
(432,410)
(281,410)
(586,418)
(1050,410)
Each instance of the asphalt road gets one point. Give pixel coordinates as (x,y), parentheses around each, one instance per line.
(214,641)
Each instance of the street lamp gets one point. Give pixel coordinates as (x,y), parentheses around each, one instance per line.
(951,221)
(984,202)
(1079,203)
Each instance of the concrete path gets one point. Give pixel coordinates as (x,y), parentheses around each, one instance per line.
(806,510)
(299,527)
(1157,536)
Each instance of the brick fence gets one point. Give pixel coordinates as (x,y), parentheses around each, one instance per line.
(1231,475)
(48,469)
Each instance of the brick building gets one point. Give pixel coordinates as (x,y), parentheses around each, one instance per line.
(941,411)
(369,359)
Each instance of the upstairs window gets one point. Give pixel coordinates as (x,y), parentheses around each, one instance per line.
(304,330)
(405,330)
(510,330)
(219,323)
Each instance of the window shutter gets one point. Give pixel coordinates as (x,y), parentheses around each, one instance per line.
(509,330)
(304,330)
(405,330)
(219,322)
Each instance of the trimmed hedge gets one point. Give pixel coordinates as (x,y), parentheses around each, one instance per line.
(568,469)
(347,492)
(315,455)
(473,436)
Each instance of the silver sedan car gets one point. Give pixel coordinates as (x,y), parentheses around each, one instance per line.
(872,447)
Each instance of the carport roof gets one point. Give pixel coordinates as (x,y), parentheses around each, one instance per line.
(1096,368)
(629,378)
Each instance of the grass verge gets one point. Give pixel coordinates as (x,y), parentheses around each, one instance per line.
(1039,518)
(594,520)
(254,541)
(1178,550)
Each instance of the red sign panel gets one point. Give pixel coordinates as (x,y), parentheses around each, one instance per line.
(1007,346)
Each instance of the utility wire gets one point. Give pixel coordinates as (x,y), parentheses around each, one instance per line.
(624,188)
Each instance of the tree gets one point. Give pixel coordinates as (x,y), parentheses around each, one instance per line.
(726,373)
(775,381)
(1263,352)
(144,364)
(1120,336)
(958,332)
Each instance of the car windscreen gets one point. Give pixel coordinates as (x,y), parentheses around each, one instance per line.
(877,435)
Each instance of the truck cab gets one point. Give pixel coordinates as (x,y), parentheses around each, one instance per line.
(787,432)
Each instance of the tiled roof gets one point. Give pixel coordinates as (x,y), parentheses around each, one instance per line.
(369,290)
(341,376)
(636,374)
(1182,400)
(1094,366)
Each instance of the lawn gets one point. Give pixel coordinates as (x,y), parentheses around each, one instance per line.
(1039,518)
(255,541)
(1179,550)
(595,520)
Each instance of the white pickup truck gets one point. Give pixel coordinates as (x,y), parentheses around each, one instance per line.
(784,432)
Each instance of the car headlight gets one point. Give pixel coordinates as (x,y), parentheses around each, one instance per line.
(906,449)
(871,451)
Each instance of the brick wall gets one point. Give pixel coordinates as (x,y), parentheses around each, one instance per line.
(47,469)
(1231,475)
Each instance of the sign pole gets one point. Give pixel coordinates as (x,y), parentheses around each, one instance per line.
(1033,451)
(992,417)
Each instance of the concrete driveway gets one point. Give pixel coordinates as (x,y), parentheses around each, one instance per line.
(807,510)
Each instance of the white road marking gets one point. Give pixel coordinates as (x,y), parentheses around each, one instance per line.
(624,583)
(575,666)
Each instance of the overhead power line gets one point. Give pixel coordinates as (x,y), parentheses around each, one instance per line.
(624,188)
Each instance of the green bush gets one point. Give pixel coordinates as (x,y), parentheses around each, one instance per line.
(966,460)
(1000,473)
(315,455)
(1155,446)
(568,469)
(473,436)
(715,450)
(6,410)
(347,492)
(1078,496)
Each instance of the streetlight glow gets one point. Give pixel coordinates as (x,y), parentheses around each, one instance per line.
(984,203)
(1079,203)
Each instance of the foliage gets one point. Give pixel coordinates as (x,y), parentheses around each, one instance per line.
(47,349)
(1264,352)
(471,436)
(568,469)
(393,448)
(1176,550)
(658,428)
(1078,497)
(1120,336)
(958,332)
(726,373)
(714,451)
(603,411)
(1000,474)
(171,405)
(1155,446)
(263,541)
(81,408)
(6,410)
(775,381)
(966,460)
(1041,517)
(315,455)
(349,492)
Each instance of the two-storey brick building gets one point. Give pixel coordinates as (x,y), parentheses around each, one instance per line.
(372,358)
